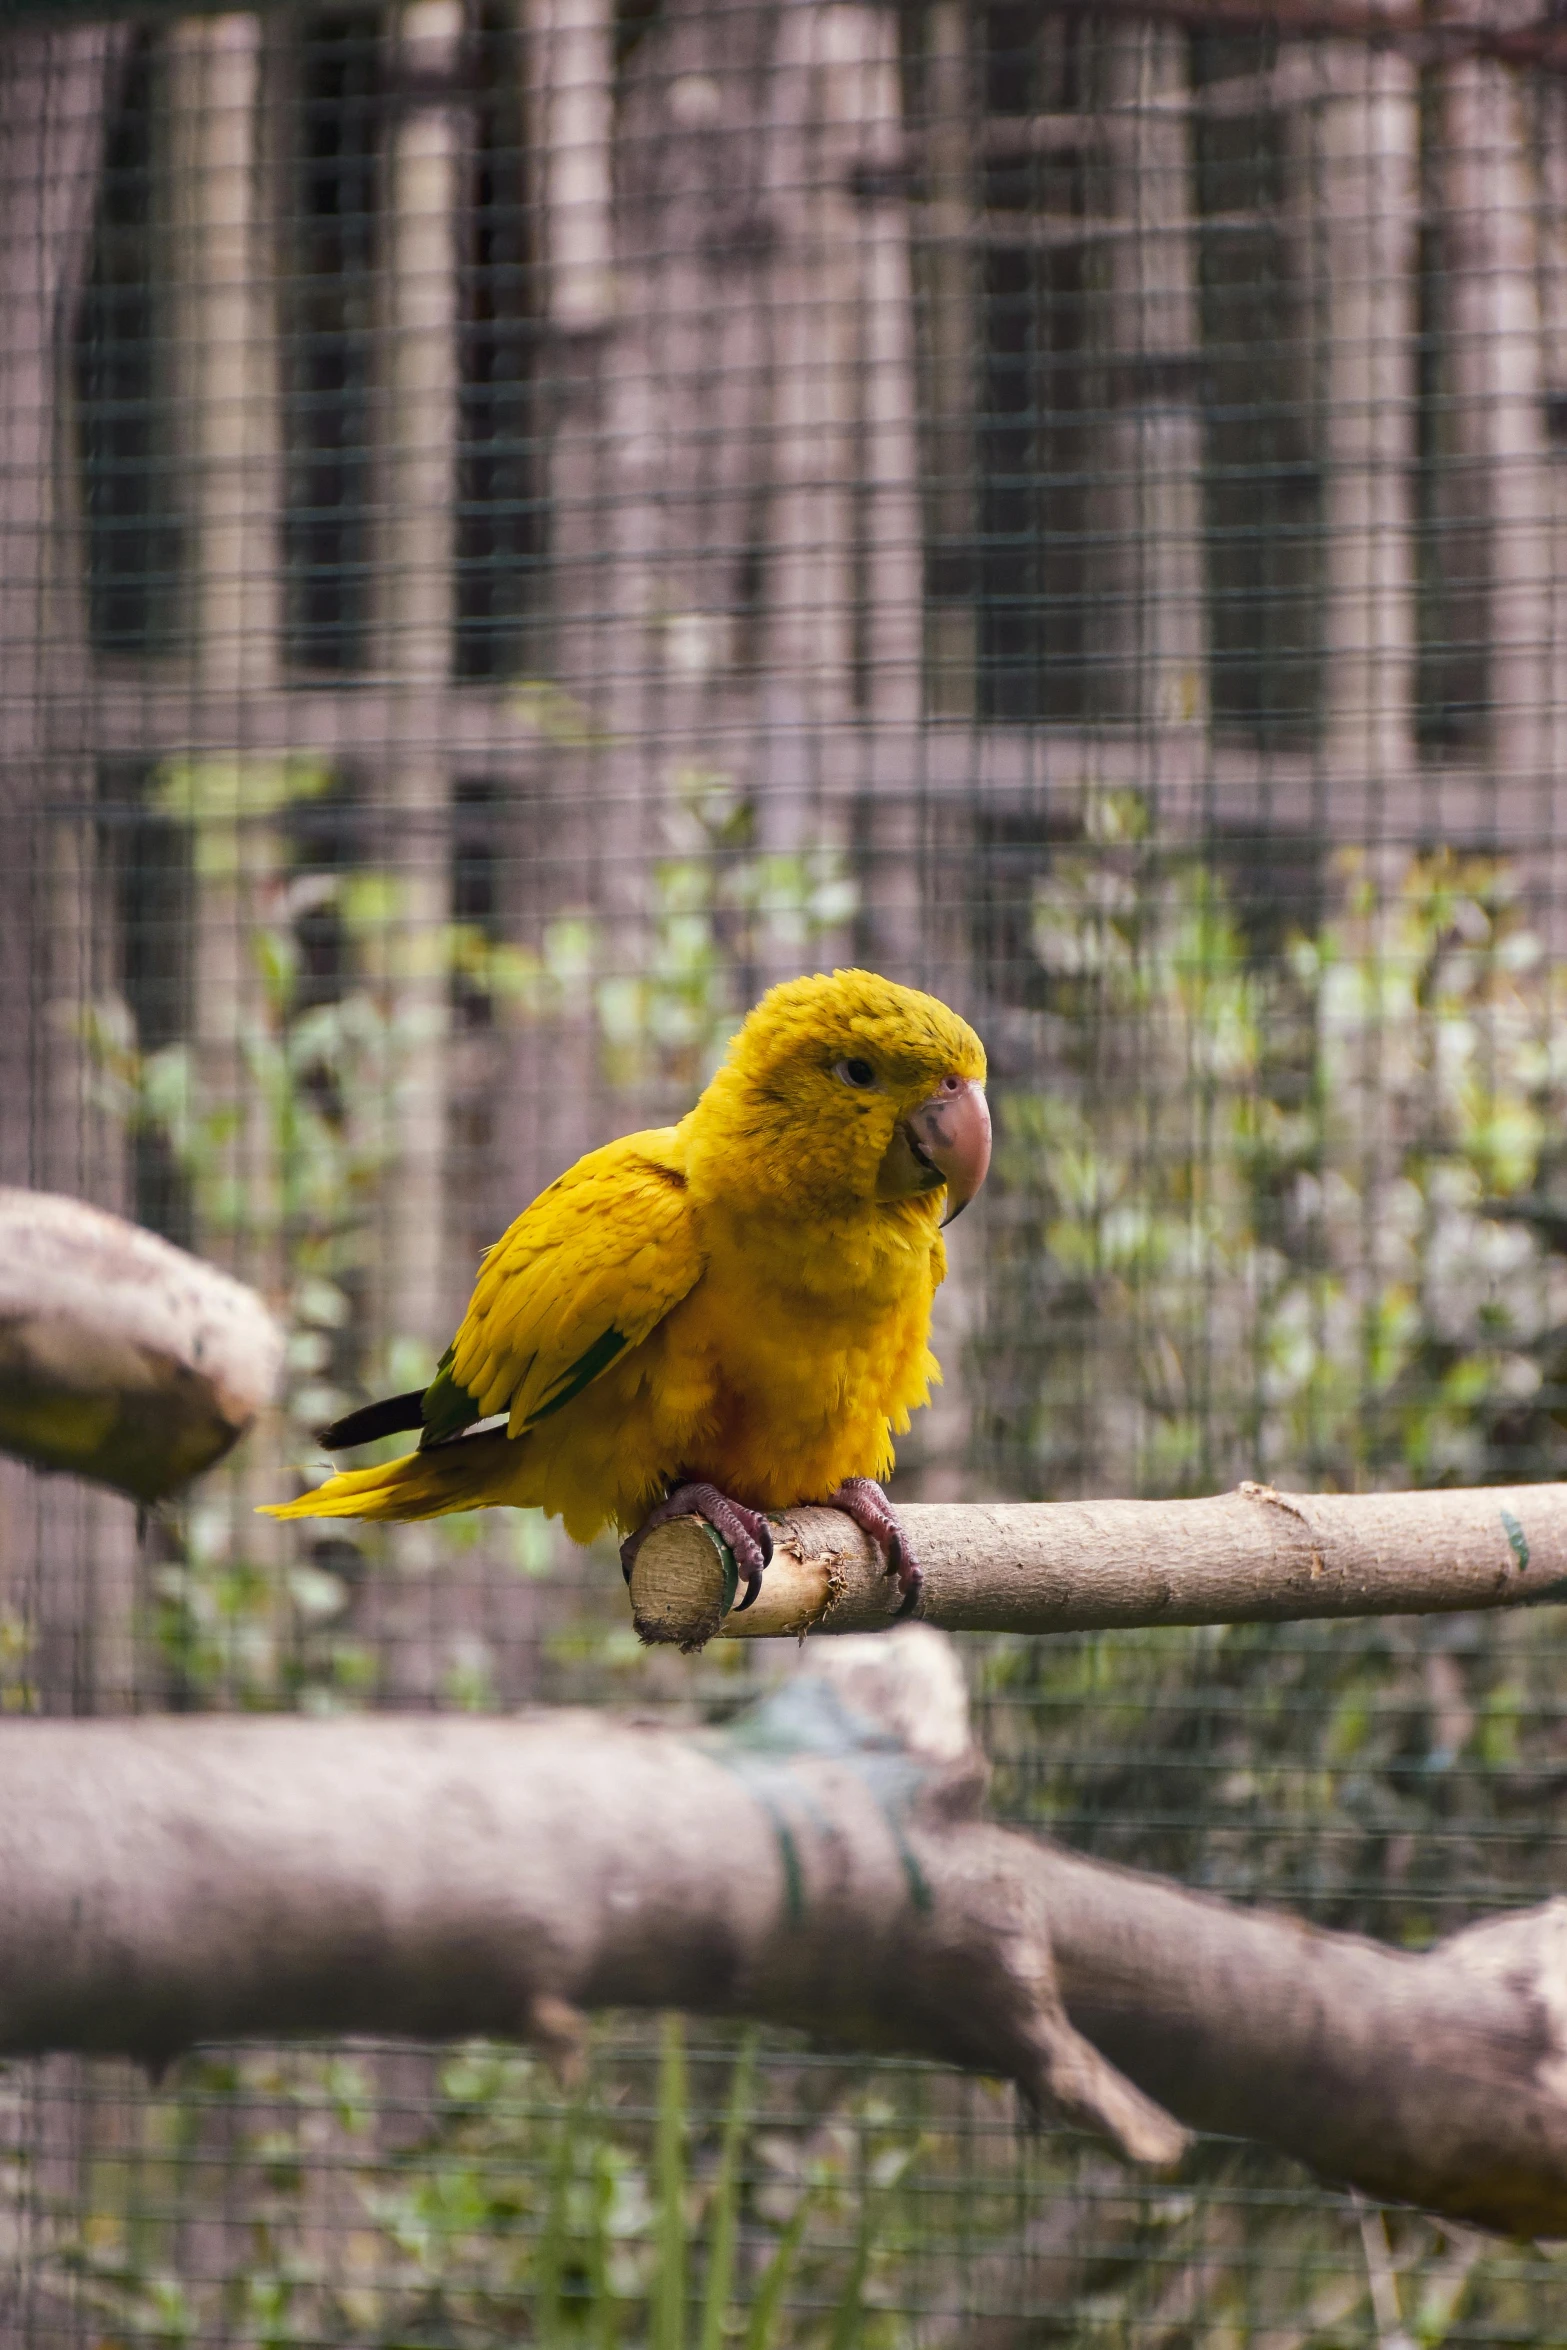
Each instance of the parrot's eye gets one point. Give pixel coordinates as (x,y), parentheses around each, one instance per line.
(859,1074)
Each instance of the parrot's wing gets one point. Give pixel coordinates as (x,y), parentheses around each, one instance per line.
(591,1268)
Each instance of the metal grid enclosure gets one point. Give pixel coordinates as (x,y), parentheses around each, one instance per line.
(523,522)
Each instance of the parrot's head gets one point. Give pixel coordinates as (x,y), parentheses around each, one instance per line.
(846,1089)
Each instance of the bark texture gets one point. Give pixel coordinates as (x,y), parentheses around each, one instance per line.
(1249,1557)
(822,1863)
(1438,2079)
(122,1359)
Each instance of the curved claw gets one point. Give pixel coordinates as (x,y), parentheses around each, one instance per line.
(913,1583)
(863,1500)
(753,1584)
(751,1576)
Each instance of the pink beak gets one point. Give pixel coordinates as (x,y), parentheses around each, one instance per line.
(951,1133)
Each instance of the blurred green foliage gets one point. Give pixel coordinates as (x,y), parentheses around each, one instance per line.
(685,2195)
(720,916)
(484,2203)
(1293,1215)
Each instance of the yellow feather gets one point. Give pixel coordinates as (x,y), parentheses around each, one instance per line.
(772,1313)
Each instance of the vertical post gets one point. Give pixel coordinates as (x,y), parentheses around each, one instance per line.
(893,534)
(569,47)
(575,85)
(415,618)
(55,85)
(1493,329)
(806,646)
(226,348)
(845,576)
(892,566)
(569,53)
(227,391)
(66,1555)
(892,526)
(228,419)
(1365,217)
(809,641)
(1149,633)
(1551,103)
(952,344)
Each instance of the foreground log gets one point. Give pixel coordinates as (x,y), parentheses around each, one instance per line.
(1255,1556)
(122,1359)
(823,1863)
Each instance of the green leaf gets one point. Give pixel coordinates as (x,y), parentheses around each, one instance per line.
(767,2307)
(725,2217)
(667,2331)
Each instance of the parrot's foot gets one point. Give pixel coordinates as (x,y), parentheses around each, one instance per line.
(863,1500)
(747,1532)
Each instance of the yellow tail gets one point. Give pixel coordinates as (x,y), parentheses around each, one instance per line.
(461,1476)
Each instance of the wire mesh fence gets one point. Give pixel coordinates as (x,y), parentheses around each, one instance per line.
(522,524)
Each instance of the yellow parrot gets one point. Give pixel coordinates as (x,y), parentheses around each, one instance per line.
(719,1318)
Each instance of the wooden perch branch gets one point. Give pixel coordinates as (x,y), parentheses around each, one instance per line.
(122,1359)
(822,1863)
(1435,2079)
(1249,1557)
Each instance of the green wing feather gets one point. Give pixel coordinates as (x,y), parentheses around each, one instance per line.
(591,1268)
(447,1408)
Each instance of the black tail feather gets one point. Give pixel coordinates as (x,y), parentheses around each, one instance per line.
(389,1417)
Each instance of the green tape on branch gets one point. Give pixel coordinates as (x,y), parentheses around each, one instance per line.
(731,1570)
